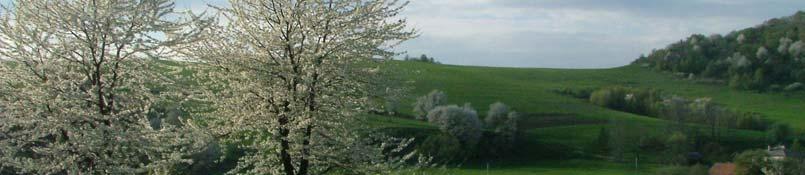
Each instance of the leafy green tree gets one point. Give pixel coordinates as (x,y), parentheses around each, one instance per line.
(678,148)
(624,140)
(778,133)
(797,146)
(443,148)
(751,162)
(601,142)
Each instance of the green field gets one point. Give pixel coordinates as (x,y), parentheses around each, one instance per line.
(529,91)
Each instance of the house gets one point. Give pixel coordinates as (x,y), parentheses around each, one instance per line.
(781,153)
(722,169)
(776,156)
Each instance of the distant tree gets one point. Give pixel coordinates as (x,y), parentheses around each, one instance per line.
(624,139)
(738,60)
(704,107)
(614,98)
(503,123)
(714,38)
(793,167)
(601,142)
(407,58)
(778,133)
(676,109)
(678,148)
(496,115)
(751,162)
(509,128)
(443,147)
(428,102)
(424,58)
(783,46)
(761,53)
(459,122)
(797,145)
(741,38)
(796,49)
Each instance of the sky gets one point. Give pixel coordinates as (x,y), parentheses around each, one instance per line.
(564,33)
(567,33)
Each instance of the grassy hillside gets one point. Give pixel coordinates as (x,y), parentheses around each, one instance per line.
(530,90)
(557,128)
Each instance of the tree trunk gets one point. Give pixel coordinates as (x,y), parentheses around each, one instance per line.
(285,157)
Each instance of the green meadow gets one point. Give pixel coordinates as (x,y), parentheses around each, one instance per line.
(557,128)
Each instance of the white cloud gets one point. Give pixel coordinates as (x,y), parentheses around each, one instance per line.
(530,34)
(563,33)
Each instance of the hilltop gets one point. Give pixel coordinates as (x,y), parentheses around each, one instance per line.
(767,57)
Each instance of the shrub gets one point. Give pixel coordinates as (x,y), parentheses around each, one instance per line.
(698,169)
(678,147)
(459,122)
(428,102)
(601,143)
(583,93)
(614,98)
(752,121)
(778,133)
(442,147)
(638,101)
(750,162)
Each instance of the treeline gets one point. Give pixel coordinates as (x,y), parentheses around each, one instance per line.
(767,57)
(679,143)
(657,104)
(421,58)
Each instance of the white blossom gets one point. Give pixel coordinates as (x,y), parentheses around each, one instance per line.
(761,53)
(290,80)
(784,43)
(796,48)
(428,102)
(738,60)
(459,122)
(74,92)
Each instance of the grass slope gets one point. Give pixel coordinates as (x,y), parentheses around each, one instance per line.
(529,90)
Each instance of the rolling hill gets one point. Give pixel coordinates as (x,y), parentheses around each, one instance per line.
(557,128)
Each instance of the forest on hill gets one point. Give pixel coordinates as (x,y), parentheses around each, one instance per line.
(767,57)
